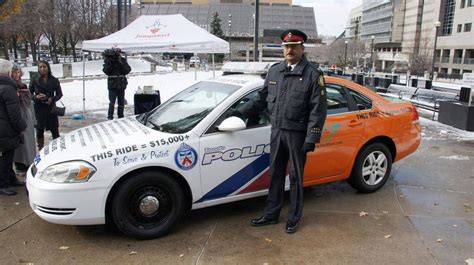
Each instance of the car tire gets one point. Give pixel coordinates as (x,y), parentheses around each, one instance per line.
(147,204)
(372,168)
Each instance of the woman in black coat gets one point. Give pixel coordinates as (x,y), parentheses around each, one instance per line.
(46,90)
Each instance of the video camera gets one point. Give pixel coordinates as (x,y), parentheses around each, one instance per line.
(114,52)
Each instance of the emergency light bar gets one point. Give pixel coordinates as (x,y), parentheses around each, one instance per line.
(246,67)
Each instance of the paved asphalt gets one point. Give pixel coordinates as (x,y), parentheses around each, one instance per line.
(423,215)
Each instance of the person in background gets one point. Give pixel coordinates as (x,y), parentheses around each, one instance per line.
(46,90)
(11,124)
(116,68)
(25,152)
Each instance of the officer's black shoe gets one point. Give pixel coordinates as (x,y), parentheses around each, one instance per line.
(291,227)
(7,191)
(263,220)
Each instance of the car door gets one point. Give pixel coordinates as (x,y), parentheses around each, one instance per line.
(341,136)
(235,162)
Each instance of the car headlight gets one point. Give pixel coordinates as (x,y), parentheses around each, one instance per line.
(68,172)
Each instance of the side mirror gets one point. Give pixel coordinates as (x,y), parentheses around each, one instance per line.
(231,124)
(360,107)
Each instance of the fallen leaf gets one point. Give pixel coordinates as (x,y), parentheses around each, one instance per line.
(402,196)
(385,212)
(467,210)
(268,240)
(25,242)
(388,236)
(436,203)
(182,255)
(470,261)
(17,203)
(467,205)
(362,214)
(132,253)
(439,240)
(63,247)
(455,225)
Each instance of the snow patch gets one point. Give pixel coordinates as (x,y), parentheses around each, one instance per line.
(455,157)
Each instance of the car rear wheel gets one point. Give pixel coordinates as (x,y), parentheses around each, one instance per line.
(372,168)
(147,204)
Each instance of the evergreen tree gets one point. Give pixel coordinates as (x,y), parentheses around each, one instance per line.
(216,30)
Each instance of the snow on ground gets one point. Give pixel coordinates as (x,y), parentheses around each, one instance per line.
(433,130)
(455,157)
(168,84)
(91,68)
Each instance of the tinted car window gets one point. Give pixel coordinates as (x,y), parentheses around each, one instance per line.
(336,98)
(361,99)
(262,119)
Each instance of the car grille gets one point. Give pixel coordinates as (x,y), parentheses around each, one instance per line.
(56,211)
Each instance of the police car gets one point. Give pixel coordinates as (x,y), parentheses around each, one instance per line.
(143,172)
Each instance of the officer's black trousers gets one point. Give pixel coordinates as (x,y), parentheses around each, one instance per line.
(286,146)
(119,95)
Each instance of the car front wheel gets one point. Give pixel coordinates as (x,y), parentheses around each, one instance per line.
(147,204)
(372,168)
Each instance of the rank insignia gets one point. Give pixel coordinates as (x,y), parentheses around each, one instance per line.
(322,92)
(321,81)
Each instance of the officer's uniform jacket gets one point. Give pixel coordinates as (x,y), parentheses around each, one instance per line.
(295,100)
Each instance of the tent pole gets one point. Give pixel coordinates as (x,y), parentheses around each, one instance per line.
(83,86)
(213,66)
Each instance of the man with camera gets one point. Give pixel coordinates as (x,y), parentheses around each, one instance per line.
(116,68)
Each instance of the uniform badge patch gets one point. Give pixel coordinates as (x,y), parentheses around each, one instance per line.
(322,92)
(321,81)
(185,157)
(272,82)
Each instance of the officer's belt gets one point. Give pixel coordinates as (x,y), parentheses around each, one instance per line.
(116,76)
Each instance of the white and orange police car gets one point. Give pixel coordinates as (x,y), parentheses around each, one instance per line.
(143,172)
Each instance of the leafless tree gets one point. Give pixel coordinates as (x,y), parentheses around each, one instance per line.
(30,20)
(420,61)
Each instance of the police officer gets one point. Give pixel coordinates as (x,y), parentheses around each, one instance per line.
(295,95)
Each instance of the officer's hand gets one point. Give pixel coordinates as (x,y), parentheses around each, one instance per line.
(308,147)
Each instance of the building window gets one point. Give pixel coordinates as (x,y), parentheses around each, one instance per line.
(467,27)
(448,18)
(463,3)
(459,27)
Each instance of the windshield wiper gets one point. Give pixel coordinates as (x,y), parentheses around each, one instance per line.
(155,126)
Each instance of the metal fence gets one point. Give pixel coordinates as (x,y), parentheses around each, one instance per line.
(449,76)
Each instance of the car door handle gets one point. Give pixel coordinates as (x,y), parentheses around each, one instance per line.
(354,123)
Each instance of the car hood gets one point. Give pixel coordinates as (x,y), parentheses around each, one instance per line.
(84,143)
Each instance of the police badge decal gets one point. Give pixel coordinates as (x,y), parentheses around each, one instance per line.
(185,157)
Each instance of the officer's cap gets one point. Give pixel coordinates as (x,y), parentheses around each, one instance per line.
(293,36)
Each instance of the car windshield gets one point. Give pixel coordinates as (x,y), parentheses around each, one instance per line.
(186,109)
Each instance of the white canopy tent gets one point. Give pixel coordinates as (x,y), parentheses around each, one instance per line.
(157,34)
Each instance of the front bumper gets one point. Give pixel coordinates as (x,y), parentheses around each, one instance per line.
(68,203)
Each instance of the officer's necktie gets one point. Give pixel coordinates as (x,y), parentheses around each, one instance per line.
(288,69)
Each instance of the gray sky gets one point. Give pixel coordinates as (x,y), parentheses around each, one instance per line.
(331,15)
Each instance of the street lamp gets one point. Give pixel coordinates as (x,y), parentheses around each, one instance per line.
(345,54)
(372,53)
(230,35)
(437,25)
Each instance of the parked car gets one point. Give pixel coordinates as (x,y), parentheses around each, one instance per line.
(143,172)
(193,61)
